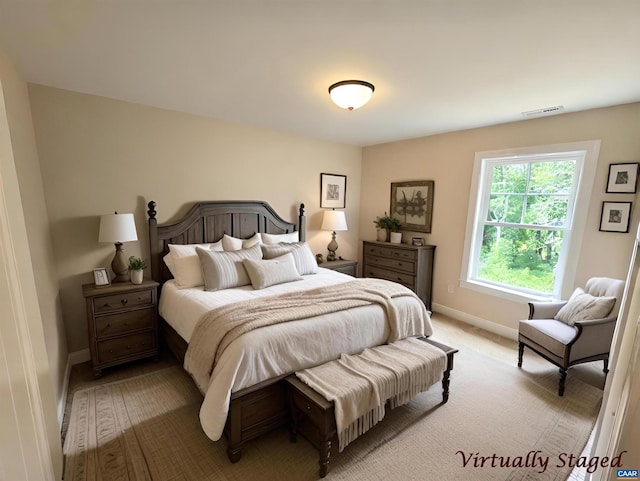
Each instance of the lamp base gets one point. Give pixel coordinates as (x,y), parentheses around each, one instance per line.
(332,248)
(119,265)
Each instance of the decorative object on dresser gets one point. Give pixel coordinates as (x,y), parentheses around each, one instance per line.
(118,228)
(333,191)
(384,225)
(137,267)
(412,204)
(343,265)
(409,265)
(101,277)
(123,323)
(333,220)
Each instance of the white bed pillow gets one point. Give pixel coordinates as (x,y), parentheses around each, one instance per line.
(582,306)
(272,239)
(222,270)
(302,256)
(269,272)
(184,264)
(230,244)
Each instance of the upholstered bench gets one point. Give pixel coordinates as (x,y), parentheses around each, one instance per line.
(314,417)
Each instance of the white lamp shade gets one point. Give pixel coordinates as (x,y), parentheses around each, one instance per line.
(334,220)
(351,94)
(117,228)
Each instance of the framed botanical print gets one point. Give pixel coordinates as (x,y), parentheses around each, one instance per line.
(333,191)
(412,204)
(623,178)
(615,216)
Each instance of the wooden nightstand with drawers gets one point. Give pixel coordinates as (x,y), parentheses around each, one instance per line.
(123,323)
(342,265)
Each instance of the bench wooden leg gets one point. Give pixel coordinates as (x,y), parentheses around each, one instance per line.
(325,454)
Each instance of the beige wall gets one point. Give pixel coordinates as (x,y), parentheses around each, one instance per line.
(448,160)
(99,155)
(31,337)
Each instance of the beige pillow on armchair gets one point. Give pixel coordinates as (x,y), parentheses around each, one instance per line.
(582,307)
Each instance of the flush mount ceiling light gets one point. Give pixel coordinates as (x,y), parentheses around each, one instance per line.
(351,94)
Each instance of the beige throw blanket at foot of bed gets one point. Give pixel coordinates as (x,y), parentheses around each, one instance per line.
(220,327)
(360,385)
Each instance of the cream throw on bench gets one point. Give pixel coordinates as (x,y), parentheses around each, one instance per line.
(360,385)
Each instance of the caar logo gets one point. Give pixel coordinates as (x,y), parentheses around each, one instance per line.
(627,474)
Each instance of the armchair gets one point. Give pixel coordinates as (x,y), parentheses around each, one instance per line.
(569,342)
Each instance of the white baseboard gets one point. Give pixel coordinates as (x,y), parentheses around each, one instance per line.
(75,357)
(78,357)
(494,327)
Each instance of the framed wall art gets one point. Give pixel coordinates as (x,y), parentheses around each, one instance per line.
(412,204)
(615,216)
(623,178)
(333,191)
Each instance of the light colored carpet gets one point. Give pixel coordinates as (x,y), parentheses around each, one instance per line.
(146,428)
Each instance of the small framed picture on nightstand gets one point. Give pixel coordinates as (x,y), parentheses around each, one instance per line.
(101,277)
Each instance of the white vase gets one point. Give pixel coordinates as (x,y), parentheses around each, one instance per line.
(137,276)
(396,237)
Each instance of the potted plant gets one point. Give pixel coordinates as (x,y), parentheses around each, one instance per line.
(385,224)
(136,267)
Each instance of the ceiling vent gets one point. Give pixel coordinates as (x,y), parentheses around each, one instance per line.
(545,111)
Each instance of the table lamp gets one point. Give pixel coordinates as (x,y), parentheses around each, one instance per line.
(118,228)
(333,220)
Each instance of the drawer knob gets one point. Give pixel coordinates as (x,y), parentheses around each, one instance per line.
(110,351)
(308,408)
(124,302)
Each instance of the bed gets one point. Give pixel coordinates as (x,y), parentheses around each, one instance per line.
(245,395)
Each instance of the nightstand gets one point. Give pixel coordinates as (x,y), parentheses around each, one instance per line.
(123,323)
(344,266)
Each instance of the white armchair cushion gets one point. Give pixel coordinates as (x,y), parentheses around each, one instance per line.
(583,306)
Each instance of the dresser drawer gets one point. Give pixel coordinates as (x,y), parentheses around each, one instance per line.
(394,253)
(126,346)
(121,301)
(123,322)
(407,280)
(399,264)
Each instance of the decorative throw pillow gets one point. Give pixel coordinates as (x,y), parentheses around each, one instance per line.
(231,244)
(582,306)
(272,239)
(302,256)
(185,265)
(269,272)
(222,270)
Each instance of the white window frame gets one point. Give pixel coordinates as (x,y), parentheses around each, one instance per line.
(586,154)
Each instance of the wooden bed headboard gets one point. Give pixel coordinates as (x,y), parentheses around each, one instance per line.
(209,221)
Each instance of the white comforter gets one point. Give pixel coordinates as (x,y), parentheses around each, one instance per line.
(280,349)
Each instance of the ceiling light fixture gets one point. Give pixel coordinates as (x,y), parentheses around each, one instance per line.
(351,94)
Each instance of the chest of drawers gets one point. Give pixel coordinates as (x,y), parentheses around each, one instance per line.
(411,266)
(122,323)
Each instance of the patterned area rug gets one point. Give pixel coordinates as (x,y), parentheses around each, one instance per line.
(501,423)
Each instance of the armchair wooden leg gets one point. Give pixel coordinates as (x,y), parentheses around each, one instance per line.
(606,366)
(563,377)
(520,353)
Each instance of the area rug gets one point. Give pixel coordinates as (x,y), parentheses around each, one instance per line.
(501,423)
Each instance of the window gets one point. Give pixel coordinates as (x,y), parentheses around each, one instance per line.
(524,219)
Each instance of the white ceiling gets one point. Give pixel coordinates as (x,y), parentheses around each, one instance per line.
(437,65)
